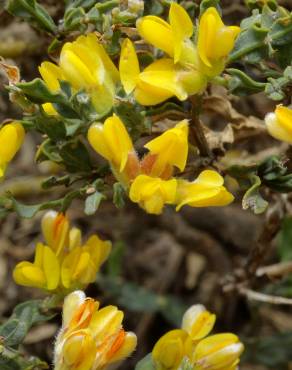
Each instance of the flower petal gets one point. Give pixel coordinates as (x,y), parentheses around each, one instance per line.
(156,32)
(129,66)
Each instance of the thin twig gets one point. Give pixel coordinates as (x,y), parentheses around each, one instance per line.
(276,270)
(196,127)
(263,244)
(261,297)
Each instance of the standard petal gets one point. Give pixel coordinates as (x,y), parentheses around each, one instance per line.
(51,74)
(182,28)
(129,66)
(157,32)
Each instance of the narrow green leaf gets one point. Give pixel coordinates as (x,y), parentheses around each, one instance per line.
(92,203)
(34,13)
(252,198)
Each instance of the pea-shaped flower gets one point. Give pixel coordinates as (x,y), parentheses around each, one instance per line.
(198,322)
(279,124)
(217,352)
(64,264)
(91,338)
(11,138)
(170,350)
(215,42)
(192,345)
(85,64)
(112,141)
(177,75)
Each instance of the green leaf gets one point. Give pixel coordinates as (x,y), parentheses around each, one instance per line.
(48,150)
(52,126)
(258,4)
(92,203)
(34,13)
(75,156)
(285,240)
(24,316)
(252,198)
(119,195)
(251,41)
(146,363)
(38,92)
(277,88)
(28,211)
(11,359)
(273,173)
(241,84)
(85,4)
(73,19)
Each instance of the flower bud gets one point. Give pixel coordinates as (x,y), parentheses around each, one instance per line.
(217,352)
(215,41)
(55,227)
(198,322)
(12,133)
(279,124)
(169,351)
(112,141)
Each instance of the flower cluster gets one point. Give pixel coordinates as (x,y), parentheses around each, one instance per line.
(63,263)
(85,64)
(188,65)
(11,138)
(91,338)
(279,123)
(191,343)
(150,181)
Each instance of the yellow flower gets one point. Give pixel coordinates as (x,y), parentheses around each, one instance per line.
(206,191)
(64,264)
(173,37)
(112,141)
(85,64)
(217,352)
(198,322)
(51,74)
(91,338)
(169,351)
(215,41)
(152,193)
(11,138)
(176,76)
(170,149)
(279,124)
